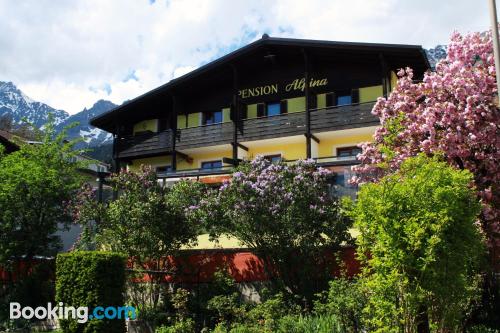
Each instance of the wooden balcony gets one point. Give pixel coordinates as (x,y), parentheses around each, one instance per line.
(343,117)
(147,144)
(322,120)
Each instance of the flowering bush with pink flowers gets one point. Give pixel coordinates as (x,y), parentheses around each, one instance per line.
(284,213)
(453,111)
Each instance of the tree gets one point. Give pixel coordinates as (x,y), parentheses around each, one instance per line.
(147,222)
(419,245)
(285,215)
(36,182)
(453,111)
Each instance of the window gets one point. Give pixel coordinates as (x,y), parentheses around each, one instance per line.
(273,158)
(273,109)
(212,117)
(211,165)
(164,169)
(344,100)
(348,151)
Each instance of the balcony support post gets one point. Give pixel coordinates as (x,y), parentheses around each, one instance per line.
(236,115)
(116,160)
(308,111)
(173,126)
(385,81)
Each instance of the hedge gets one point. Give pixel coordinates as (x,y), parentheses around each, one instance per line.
(91,278)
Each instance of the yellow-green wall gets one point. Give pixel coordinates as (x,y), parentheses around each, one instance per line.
(290,151)
(370,94)
(146,125)
(194,119)
(327,147)
(252,111)
(181,121)
(394,80)
(321,101)
(226,115)
(297,104)
(152,161)
(211,155)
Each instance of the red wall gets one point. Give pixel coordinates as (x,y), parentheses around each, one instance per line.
(244,266)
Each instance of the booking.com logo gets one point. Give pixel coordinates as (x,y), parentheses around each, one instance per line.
(81,314)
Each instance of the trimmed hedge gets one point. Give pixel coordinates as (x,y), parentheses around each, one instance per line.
(91,278)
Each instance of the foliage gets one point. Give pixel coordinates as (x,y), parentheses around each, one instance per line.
(180,301)
(454,111)
(36,182)
(418,227)
(91,278)
(181,326)
(288,324)
(33,290)
(147,222)
(284,214)
(345,300)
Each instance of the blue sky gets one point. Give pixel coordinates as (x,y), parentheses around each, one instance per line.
(69,54)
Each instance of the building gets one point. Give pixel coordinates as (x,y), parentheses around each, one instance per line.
(282,98)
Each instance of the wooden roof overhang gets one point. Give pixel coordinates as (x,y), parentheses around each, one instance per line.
(267,51)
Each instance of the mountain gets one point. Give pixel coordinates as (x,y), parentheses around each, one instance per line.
(435,54)
(14,103)
(91,135)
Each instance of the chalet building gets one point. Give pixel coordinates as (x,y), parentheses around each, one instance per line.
(285,99)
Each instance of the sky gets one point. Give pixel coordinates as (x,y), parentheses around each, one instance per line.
(69,54)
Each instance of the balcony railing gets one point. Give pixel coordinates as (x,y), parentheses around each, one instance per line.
(288,124)
(253,129)
(146,144)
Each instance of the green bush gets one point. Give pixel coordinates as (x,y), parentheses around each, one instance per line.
(345,299)
(91,278)
(181,326)
(425,249)
(309,324)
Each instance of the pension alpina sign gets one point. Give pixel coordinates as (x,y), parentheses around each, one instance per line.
(295,85)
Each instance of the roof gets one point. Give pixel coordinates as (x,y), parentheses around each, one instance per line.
(414,52)
(7,140)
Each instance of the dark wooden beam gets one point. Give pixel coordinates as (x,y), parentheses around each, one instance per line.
(308,111)
(236,113)
(173,126)
(239,145)
(185,157)
(383,68)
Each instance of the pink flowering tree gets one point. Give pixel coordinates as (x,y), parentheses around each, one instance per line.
(285,215)
(453,112)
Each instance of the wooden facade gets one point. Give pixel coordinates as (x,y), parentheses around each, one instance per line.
(299,75)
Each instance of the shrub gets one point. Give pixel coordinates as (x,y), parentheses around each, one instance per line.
(181,326)
(91,278)
(344,300)
(285,215)
(418,225)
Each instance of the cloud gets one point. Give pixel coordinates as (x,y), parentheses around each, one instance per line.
(69,54)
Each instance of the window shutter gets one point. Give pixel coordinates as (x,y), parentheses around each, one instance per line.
(331,99)
(284,106)
(260,110)
(355,96)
